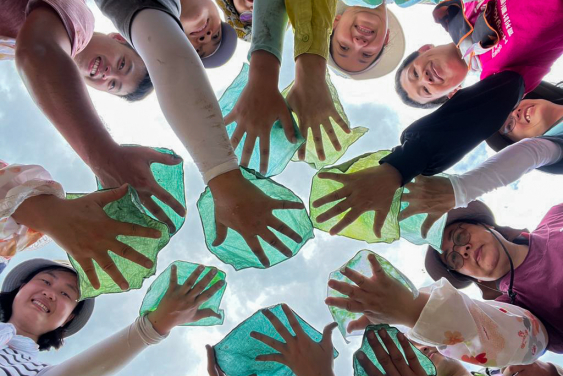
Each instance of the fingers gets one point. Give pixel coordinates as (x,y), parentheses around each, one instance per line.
(346,289)
(367,365)
(345,303)
(381,354)
(279,226)
(293,321)
(339,194)
(278,358)
(318,139)
(380,216)
(189,282)
(276,323)
(205,313)
(131,229)
(229,118)
(326,342)
(203,283)
(88,266)
(125,251)
(359,324)
(247,150)
(409,210)
(173,282)
(276,345)
(304,129)
(336,210)
(108,266)
(164,158)
(264,153)
(221,234)
(272,240)
(237,136)
(376,268)
(410,356)
(398,362)
(105,197)
(285,204)
(427,224)
(345,127)
(256,248)
(358,278)
(212,367)
(332,135)
(163,195)
(348,219)
(207,294)
(157,211)
(286,120)
(301,151)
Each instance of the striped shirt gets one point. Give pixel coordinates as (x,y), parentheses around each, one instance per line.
(17,363)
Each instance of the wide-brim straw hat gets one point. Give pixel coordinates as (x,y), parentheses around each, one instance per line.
(23,270)
(389,60)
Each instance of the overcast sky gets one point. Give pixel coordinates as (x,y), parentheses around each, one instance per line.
(28,138)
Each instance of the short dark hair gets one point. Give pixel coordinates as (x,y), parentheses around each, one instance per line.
(53,338)
(143,89)
(403,93)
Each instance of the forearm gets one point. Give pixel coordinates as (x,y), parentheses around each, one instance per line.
(268,27)
(264,69)
(110,355)
(504,168)
(55,84)
(184,92)
(310,67)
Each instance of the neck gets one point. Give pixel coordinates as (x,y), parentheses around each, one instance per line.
(517,252)
(555,116)
(22,332)
(458,53)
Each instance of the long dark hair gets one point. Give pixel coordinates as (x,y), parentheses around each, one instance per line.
(53,338)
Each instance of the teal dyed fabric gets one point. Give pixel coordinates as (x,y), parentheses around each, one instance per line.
(234,250)
(361,264)
(127,209)
(235,354)
(392,332)
(158,289)
(281,150)
(171,178)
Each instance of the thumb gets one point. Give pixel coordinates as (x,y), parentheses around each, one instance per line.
(427,224)
(111,195)
(166,159)
(327,335)
(230,117)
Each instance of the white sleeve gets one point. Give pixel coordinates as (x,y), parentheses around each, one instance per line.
(485,333)
(184,92)
(17,184)
(110,355)
(503,168)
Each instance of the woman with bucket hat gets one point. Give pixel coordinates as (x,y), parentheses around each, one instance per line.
(39,309)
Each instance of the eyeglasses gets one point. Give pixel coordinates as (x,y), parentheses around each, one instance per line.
(460,237)
(508,125)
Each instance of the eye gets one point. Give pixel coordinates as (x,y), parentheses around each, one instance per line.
(111,85)
(344,48)
(122,65)
(426,90)
(415,74)
(216,36)
(65,294)
(46,282)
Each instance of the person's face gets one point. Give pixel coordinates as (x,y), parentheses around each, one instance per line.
(243,5)
(46,302)
(109,65)
(203,28)
(444,366)
(435,73)
(483,256)
(359,34)
(532,117)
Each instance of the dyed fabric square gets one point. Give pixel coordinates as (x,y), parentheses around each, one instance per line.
(159,287)
(361,264)
(236,352)
(234,250)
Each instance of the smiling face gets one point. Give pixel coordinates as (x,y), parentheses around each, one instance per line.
(45,303)
(202,25)
(532,118)
(109,65)
(483,256)
(359,34)
(435,73)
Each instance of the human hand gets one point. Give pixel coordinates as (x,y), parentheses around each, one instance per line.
(393,363)
(300,353)
(212,367)
(428,194)
(312,102)
(257,109)
(538,368)
(180,304)
(84,231)
(131,165)
(382,299)
(366,190)
(243,207)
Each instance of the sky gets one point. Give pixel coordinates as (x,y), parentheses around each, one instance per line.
(29,138)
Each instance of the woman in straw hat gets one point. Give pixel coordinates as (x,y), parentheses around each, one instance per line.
(39,309)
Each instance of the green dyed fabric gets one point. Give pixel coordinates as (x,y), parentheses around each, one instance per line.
(235,354)
(346,140)
(281,150)
(392,332)
(158,289)
(127,209)
(361,264)
(376,3)
(361,228)
(171,178)
(234,250)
